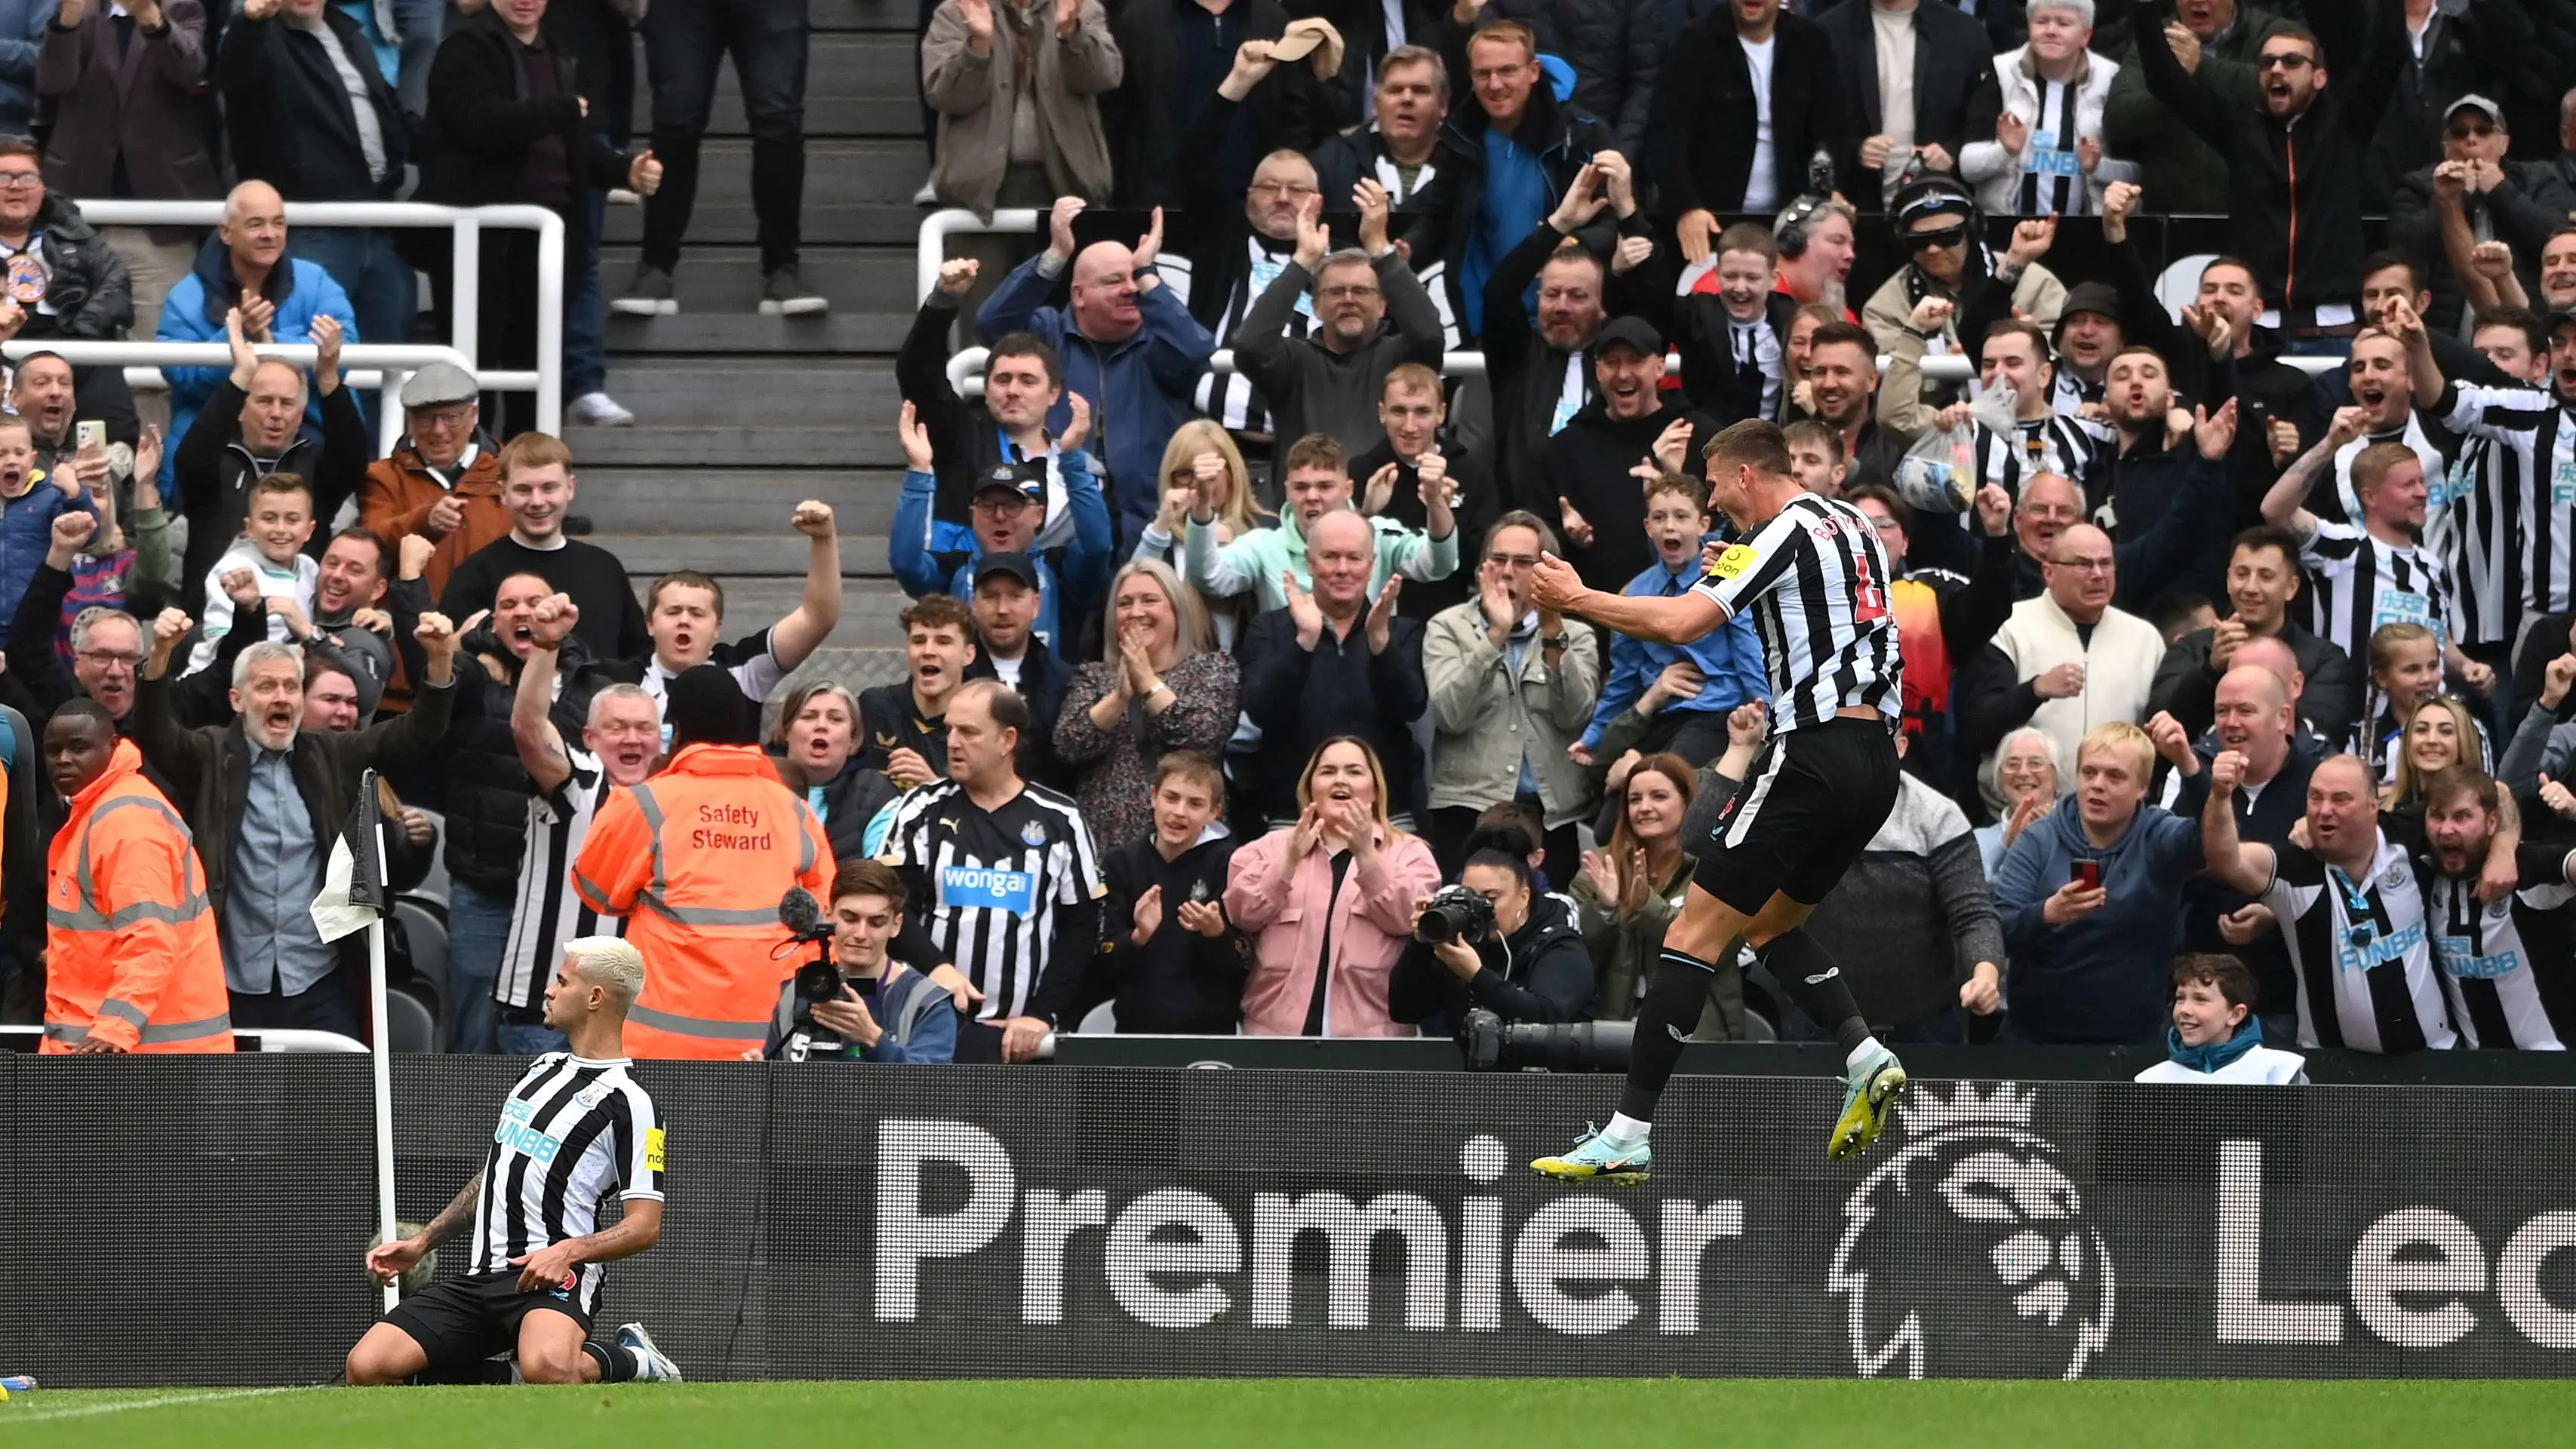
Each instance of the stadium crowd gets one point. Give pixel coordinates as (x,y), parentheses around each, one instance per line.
(2244,628)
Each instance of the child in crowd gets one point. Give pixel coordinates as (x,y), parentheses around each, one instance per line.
(271,550)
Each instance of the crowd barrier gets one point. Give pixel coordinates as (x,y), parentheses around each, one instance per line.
(202,1222)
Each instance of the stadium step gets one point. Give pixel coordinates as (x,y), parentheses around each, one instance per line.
(820,391)
(747,501)
(731,556)
(856,84)
(736,447)
(855,191)
(870,289)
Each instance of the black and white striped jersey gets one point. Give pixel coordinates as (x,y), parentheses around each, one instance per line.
(572,1132)
(1816,580)
(2053,182)
(990,884)
(2531,471)
(2360,950)
(2359,583)
(549,911)
(2070,446)
(2456,532)
(2510,965)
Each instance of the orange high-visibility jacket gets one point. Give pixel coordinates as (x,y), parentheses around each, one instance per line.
(696,858)
(131,954)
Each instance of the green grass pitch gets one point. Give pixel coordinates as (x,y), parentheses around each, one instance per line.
(1413,1413)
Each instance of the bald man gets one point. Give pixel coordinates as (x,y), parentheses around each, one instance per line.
(2065,661)
(244,264)
(2256,712)
(1335,662)
(1129,346)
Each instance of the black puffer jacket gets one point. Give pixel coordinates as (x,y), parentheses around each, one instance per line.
(1541,972)
(91,296)
(487,788)
(1615,46)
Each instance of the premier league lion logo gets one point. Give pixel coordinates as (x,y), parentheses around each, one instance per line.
(1967,1252)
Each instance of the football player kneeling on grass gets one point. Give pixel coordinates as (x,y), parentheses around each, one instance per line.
(575,1129)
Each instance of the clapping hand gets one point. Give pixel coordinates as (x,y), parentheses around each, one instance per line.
(2216,433)
(1577,530)
(1381,615)
(1148,917)
(2012,133)
(1380,490)
(917,454)
(1059,218)
(1205,918)
(1303,612)
(1077,429)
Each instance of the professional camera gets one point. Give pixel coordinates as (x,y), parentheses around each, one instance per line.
(1455,913)
(1491,1044)
(819,979)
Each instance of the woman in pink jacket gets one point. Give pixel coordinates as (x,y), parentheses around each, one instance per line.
(1329,903)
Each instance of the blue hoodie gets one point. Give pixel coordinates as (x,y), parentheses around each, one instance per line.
(2107,978)
(1139,389)
(930,556)
(1729,657)
(194,312)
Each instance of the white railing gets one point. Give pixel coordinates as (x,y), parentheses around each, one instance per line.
(261,1038)
(383,367)
(464,282)
(937,227)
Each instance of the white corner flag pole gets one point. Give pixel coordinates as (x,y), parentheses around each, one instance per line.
(380,1059)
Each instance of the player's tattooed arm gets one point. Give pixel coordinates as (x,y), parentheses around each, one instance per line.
(453,1218)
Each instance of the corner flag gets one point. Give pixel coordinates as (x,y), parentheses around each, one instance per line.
(353,883)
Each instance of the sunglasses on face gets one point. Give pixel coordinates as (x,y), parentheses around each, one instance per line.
(1924,241)
(2286,60)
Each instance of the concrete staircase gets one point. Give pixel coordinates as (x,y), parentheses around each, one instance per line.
(740,416)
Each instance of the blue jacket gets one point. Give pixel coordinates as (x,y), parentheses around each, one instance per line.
(933,1037)
(194,312)
(22,34)
(26,535)
(2107,978)
(930,556)
(1729,656)
(1139,389)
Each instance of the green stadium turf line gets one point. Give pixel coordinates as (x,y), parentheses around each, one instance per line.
(1413,1413)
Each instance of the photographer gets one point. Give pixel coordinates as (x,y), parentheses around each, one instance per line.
(1478,943)
(872,1008)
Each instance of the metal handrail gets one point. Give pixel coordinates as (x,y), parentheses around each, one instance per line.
(465,275)
(270,1039)
(936,228)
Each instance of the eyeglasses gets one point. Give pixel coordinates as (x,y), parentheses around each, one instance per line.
(111,656)
(1284,188)
(21,180)
(1001,505)
(1335,294)
(1514,560)
(2286,60)
(2470,131)
(2084,565)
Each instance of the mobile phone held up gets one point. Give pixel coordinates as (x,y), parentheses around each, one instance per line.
(2086,874)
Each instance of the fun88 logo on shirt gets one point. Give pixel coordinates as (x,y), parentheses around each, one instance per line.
(980,887)
(516,1133)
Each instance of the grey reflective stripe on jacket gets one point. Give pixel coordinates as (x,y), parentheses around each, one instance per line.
(152,1035)
(88,917)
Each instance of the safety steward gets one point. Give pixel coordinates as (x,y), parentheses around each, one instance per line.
(697,858)
(133,963)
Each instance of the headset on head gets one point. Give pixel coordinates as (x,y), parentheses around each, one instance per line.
(1789,233)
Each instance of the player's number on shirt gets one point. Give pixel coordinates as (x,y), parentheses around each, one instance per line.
(1869,596)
